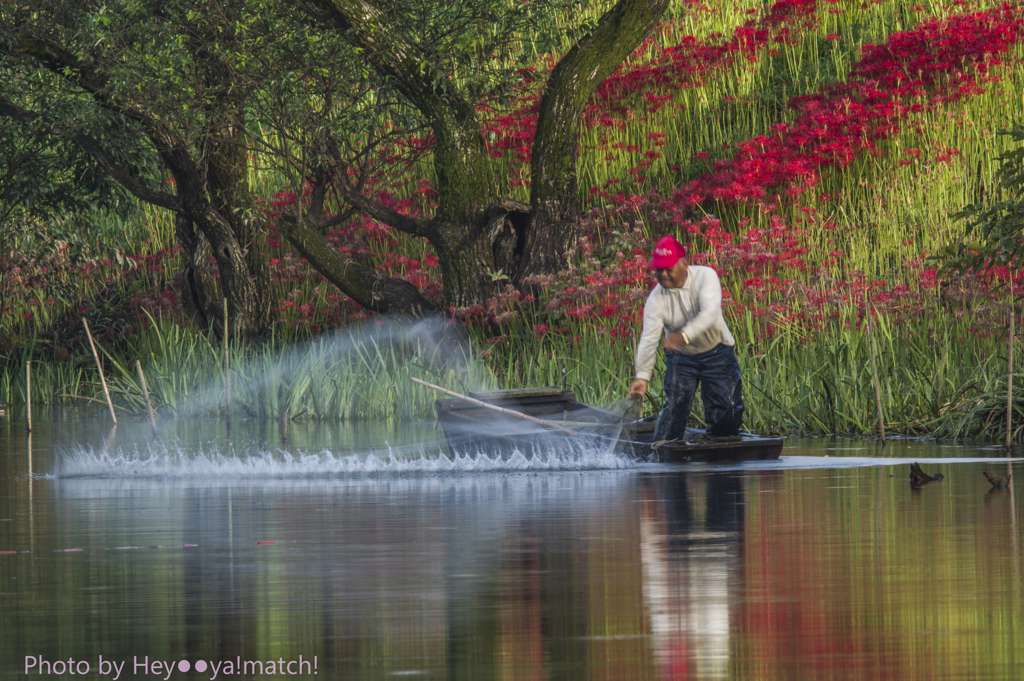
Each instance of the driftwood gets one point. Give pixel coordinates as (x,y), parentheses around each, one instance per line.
(919,478)
(996,481)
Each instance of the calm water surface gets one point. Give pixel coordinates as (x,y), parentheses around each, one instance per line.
(363,553)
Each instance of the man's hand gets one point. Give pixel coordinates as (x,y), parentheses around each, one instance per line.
(638,387)
(674,340)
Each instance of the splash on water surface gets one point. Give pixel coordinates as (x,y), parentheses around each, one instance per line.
(427,458)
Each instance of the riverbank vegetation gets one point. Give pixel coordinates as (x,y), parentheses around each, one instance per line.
(816,153)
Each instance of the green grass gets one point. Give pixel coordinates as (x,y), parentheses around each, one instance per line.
(360,373)
(938,374)
(946,382)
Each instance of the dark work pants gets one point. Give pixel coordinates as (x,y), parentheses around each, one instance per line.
(721,388)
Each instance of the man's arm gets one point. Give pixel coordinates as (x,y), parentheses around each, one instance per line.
(709,293)
(647,348)
(638,387)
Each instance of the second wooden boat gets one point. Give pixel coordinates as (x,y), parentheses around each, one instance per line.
(472,430)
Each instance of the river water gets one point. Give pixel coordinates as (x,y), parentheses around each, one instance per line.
(362,552)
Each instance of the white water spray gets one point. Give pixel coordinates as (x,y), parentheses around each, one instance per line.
(427,458)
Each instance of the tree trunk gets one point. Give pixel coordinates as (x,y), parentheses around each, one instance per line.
(366,286)
(216,214)
(469,231)
(477,261)
(198,289)
(554,190)
(242,251)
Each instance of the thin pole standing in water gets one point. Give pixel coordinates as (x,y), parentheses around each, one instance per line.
(227,363)
(28,399)
(28,393)
(99,366)
(31,499)
(145,393)
(874,366)
(1009,420)
(1009,374)
(1010,368)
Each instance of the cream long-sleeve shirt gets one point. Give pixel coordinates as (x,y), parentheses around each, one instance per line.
(695,309)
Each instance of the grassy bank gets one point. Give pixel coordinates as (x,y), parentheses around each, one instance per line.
(943,382)
(813,152)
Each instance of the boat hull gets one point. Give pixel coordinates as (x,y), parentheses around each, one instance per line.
(745,447)
(471,430)
(698,446)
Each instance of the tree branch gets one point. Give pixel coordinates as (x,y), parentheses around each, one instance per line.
(367,287)
(389,52)
(336,220)
(377,211)
(93,148)
(172,149)
(339,179)
(461,163)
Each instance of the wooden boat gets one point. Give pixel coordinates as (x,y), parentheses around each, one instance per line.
(471,430)
(698,445)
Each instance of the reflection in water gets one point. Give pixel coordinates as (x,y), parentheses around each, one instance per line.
(805,568)
(689,559)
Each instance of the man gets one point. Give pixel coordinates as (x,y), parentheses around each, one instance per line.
(687,306)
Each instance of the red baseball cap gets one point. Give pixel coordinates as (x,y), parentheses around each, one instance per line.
(667,253)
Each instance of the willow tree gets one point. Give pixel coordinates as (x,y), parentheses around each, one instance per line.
(479,236)
(197,86)
(48,189)
(170,81)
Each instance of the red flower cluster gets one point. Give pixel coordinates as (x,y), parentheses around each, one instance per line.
(940,61)
(684,65)
(645,82)
(766,269)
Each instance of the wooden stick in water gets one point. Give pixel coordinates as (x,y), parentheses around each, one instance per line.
(874,366)
(227,362)
(1009,374)
(28,392)
(103,380)
(145,393)
(510,412)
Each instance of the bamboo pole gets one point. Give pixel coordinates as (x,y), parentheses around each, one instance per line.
(227,362)
(1009,374)
(510,412)
(28,393)
(145,393)
(110,441)
(103,380)
(640,398)
(874,366)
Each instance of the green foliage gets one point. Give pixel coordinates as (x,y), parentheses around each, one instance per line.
(53,200)
(995,222)
(359,373)
(940,374)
